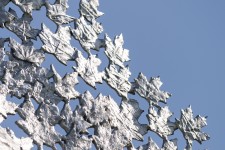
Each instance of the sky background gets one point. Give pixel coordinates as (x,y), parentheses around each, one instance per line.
(182,41)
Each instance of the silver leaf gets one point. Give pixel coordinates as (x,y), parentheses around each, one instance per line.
(58,44)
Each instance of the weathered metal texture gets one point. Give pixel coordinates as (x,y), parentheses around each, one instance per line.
(23,76)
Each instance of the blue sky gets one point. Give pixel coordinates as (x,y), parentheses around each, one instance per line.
(182,41)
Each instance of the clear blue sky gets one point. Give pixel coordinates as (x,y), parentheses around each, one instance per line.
(182,41)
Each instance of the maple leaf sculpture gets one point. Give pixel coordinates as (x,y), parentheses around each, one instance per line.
(46,95)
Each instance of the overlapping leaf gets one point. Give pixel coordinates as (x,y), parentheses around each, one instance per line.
(114,127)
(6,107)
(87,34)
(5,16)
(88,69)
(117,74)
(58,44)
(167,145)
(118,79)
(64,87)
(17,88)
(159,122)
(115,51)
(191,127)
(8,141)
(75,141)
(29,5)
(37,128)
(76,138)
(150,90)
(89,9)
(151,145)
(57,12)
(27,53)
(21,26)
(170,145)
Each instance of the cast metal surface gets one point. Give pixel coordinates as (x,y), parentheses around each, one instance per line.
(115,126)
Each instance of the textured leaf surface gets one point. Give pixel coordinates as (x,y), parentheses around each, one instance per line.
(37,127)
(65,86)
(29,5)
(150,89)
(58,44)
(27,53)
(115,51)
(6,107)
(89,9)
(159,122)
(21,26)
(8,141)
(191,127)
(88,69)
(76,138)
(87,34)
(118,79)
(57,12)
(115,127)
(53,108)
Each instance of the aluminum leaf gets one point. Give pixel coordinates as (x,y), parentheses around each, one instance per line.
(8,141)
(29,5)
(191,127)
(87,34)
(88,69)
(151,145)
(118,79)
(6,107)
(115,126)
(27,53)
(150,90)
(37,128)
(58,44)
(42,92)
(159,122)
(76,138)
(64,87)
(115,51)
(89,9)
(21,26)
(57,12)
(170,145)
